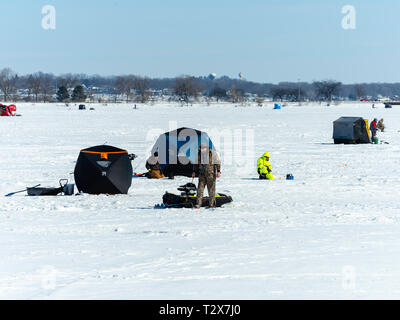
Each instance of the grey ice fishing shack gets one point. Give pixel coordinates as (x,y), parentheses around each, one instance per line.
(350,130)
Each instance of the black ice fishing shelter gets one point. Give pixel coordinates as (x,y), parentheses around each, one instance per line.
(350,130)
(103,170)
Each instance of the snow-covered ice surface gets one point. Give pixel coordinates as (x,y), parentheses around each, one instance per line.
(332,233)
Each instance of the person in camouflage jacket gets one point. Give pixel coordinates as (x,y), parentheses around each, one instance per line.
(208,168)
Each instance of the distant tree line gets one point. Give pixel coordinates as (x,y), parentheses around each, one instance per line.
(39,87)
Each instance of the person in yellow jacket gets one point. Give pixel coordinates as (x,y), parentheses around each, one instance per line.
(264,167)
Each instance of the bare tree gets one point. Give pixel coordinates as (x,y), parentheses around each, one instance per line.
(141,86)
(67,80)
(34,83)
(47,85)
(184,88)
(129,86)
(90,94)
(236,95)
(124,85)
(26,86)
(359,91)
(286,94)
(41,83)
(260,100)
(218,93)
(119,85)
(8,79)
(326,89)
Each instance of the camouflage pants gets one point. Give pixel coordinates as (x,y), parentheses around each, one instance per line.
(210,182)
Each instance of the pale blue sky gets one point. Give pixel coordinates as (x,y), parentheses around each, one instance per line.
(268,41)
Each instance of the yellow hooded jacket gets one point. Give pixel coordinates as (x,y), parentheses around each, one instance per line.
(264,166)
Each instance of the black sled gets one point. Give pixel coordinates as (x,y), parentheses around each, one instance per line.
(187,198)
(67,189)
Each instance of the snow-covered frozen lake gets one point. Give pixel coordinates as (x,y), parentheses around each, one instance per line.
(332,233)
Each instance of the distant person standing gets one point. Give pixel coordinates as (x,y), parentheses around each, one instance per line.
(373,128)
(208,167)
(381,125)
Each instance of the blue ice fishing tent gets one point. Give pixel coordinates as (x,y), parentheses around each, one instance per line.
(178,149)
(277,106)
